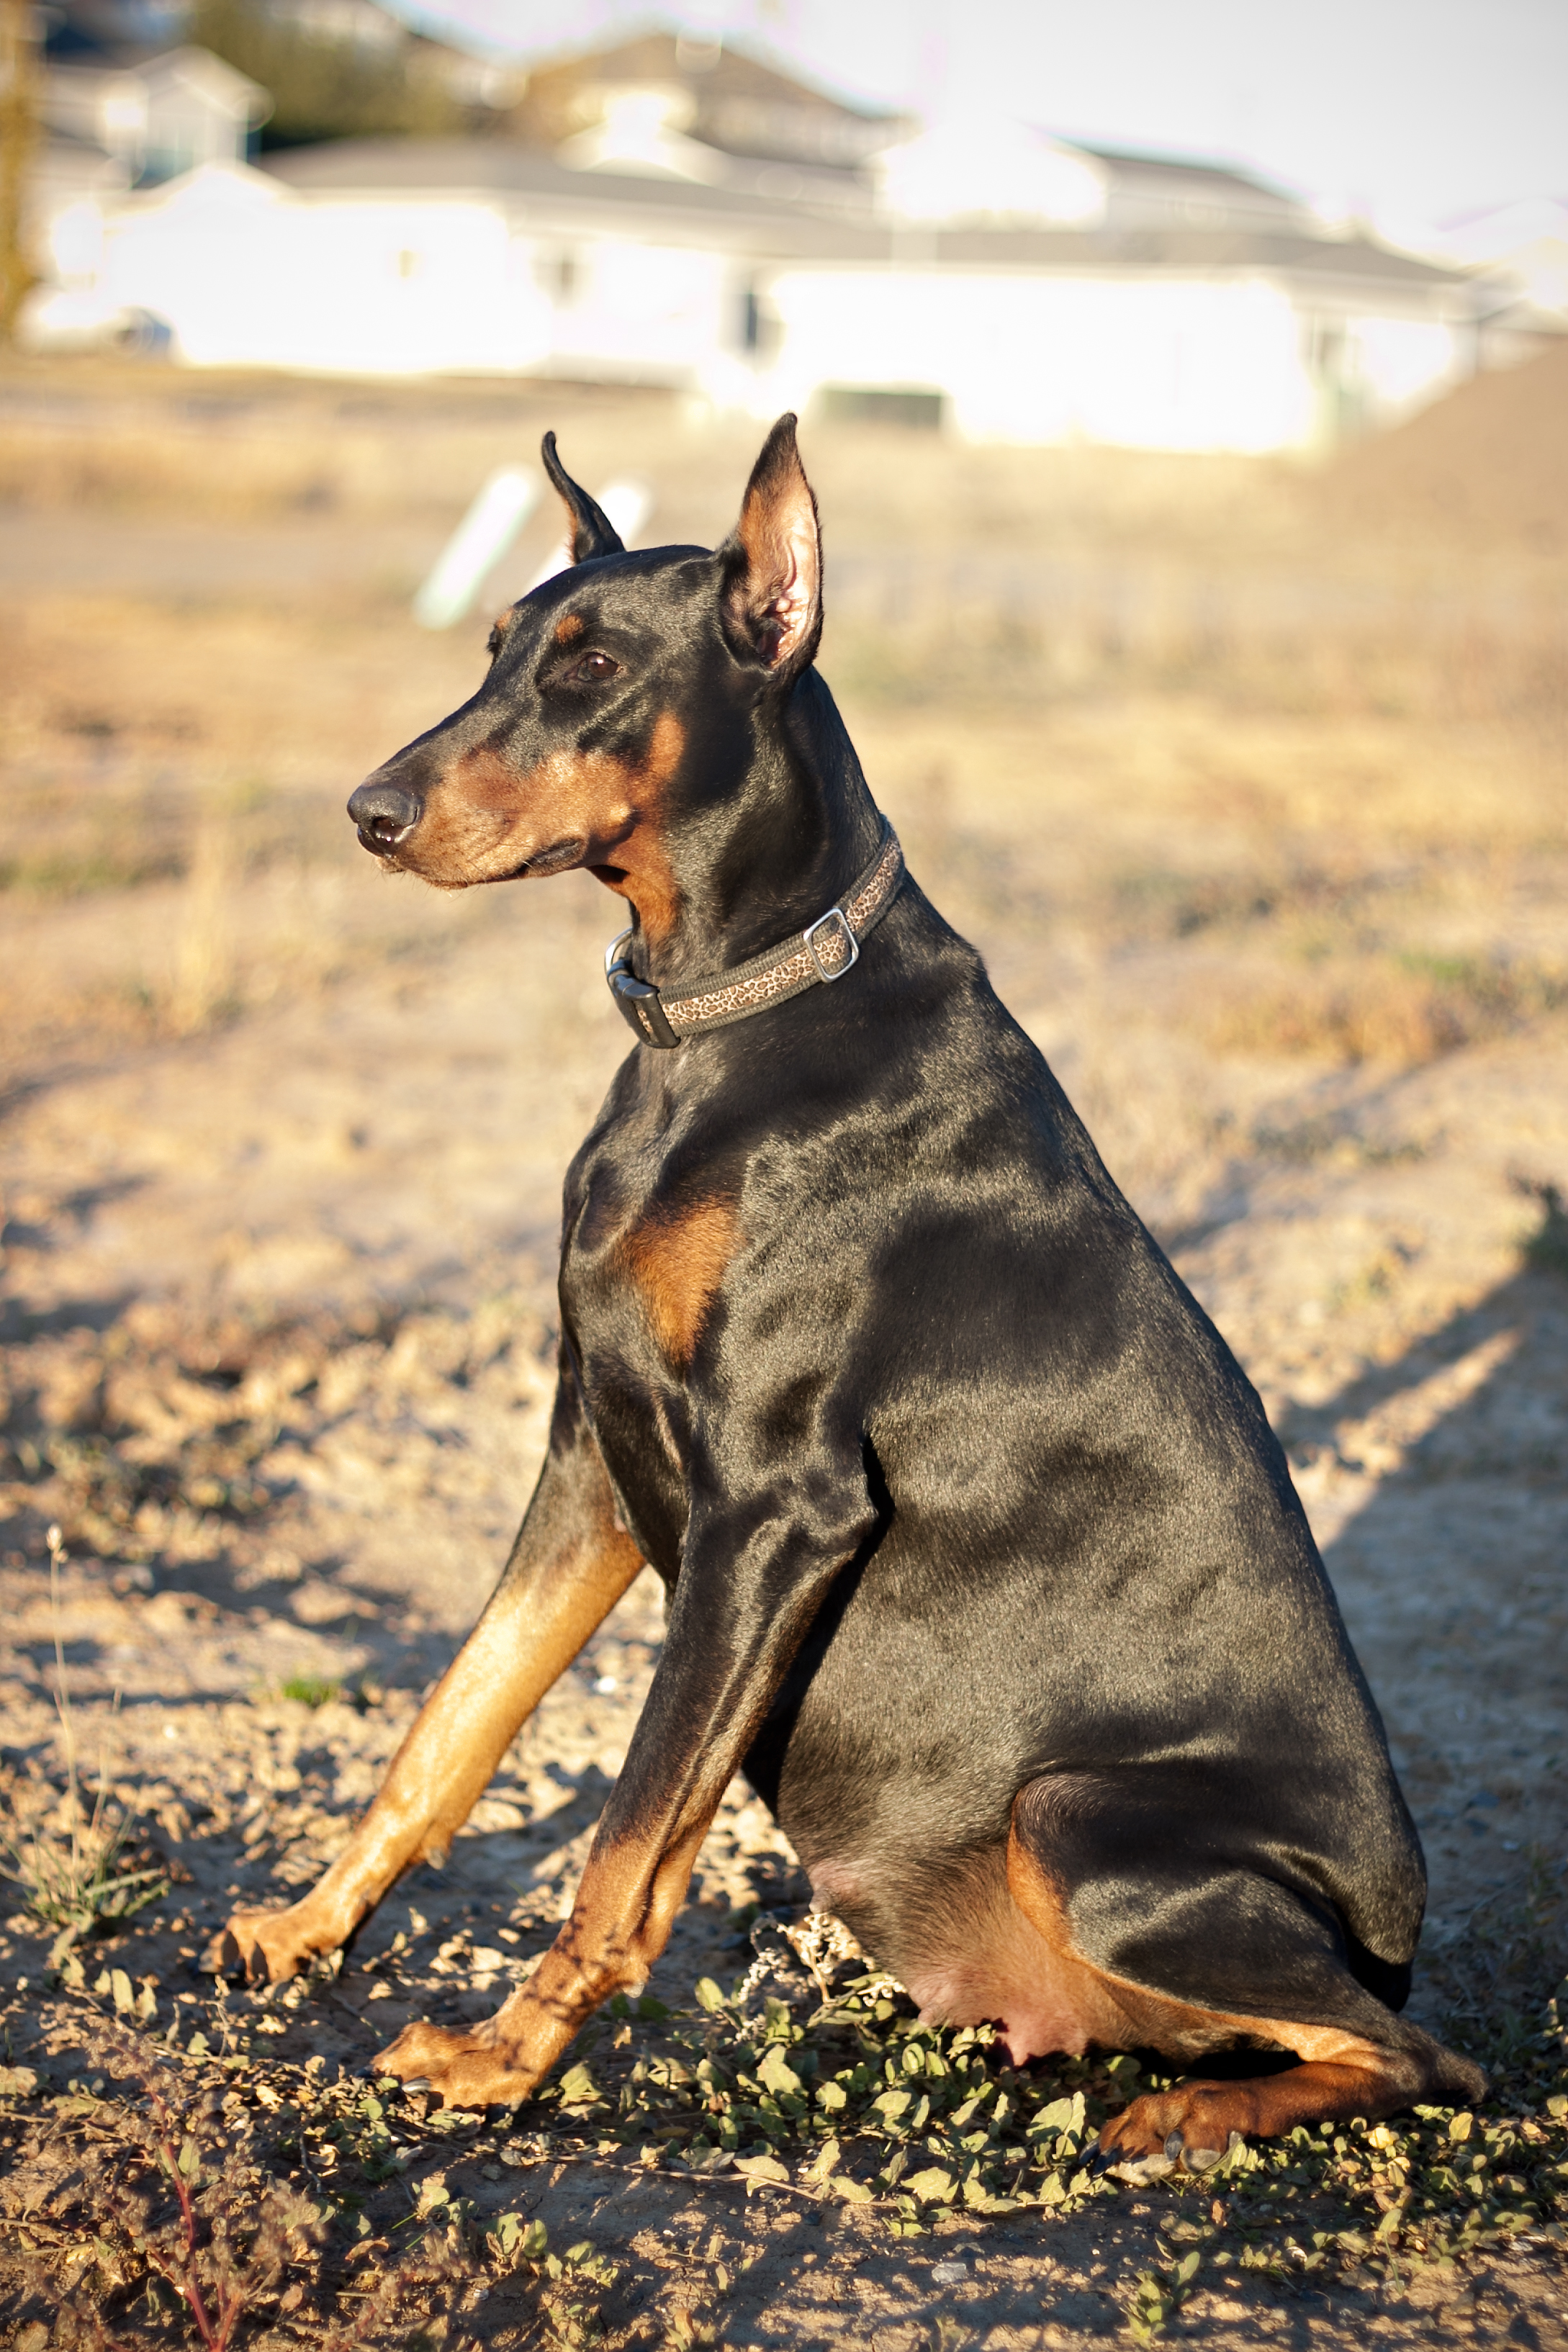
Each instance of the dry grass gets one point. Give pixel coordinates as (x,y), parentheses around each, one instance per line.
(1332,761)
(143,1439)
(1400,1007)
(71,1869)
(230,447)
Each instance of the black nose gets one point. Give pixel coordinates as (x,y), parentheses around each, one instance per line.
(386,815)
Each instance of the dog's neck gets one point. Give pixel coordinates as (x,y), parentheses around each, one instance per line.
(763,856)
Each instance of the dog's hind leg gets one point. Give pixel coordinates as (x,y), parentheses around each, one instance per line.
(571,1563)
(1192,1950)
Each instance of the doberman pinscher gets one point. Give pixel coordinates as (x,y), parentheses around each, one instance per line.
(982,1560)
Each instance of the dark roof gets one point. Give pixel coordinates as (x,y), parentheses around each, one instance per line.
(1193,250)
(689,212)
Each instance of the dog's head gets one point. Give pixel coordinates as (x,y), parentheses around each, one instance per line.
(623,702)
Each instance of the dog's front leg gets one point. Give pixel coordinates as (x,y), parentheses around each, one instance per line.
(570,1565)
(740,1612)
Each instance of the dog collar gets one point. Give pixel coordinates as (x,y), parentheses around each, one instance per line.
(813,958)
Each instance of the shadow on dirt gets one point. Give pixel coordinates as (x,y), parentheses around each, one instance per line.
(1450,1575)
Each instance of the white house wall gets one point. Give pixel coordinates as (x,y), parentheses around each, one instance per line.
(640,312)
(1146,362)
(248,276)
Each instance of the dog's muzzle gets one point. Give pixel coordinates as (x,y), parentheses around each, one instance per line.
(386,815)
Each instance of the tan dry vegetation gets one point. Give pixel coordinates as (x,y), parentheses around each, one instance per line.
(234,447)
(1342,719)
(1252,792)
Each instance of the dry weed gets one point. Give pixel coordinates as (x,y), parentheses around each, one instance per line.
(71,1866)
(185,2198)
(204,956)
(1402,1008)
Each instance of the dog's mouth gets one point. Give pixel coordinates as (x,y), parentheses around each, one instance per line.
(395,854)
(559,858)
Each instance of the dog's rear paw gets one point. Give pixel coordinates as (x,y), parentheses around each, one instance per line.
(264,1946)
(1191,2130)
(460,2068)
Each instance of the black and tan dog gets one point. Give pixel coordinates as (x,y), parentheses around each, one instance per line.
(982,1560)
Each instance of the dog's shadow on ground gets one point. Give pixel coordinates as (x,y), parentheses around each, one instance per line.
(1449,1573)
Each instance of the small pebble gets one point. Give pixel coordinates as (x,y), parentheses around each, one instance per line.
(949,2273)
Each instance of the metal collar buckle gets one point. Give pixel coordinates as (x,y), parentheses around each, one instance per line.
(834,915)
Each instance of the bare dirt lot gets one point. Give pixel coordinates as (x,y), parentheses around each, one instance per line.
(1253,789)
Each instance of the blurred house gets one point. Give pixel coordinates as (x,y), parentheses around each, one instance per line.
(125,102)
(155,108)
(1523,247)
(708,110)
(676,213)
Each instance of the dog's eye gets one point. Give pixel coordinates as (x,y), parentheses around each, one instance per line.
(593,668)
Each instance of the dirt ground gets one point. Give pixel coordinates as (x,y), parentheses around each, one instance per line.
(1259,818)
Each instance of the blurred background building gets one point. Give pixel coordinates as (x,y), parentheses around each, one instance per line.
(309,184)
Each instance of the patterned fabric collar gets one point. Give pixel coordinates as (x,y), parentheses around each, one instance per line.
(813,958)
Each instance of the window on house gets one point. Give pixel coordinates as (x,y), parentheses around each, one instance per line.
(559,275)
(843,404)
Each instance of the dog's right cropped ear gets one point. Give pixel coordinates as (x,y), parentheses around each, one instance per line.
(772,593)
(592,534)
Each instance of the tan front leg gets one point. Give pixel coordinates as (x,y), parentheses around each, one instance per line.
(569,1567)
(620,1923)
(738,1613)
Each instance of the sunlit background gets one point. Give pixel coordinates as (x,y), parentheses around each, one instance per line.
(1185,391)
(1219,228)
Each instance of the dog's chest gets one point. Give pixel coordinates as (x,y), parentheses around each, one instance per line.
(646,1259)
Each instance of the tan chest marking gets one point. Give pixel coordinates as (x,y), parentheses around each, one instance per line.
(677,1263)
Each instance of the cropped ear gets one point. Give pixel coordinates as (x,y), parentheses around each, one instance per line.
(771,594)
(592,534)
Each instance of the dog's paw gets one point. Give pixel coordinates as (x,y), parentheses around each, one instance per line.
(265,1946)
(465,2070)
(1190,2129)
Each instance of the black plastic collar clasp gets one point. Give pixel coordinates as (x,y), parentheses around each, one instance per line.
(636,1001)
